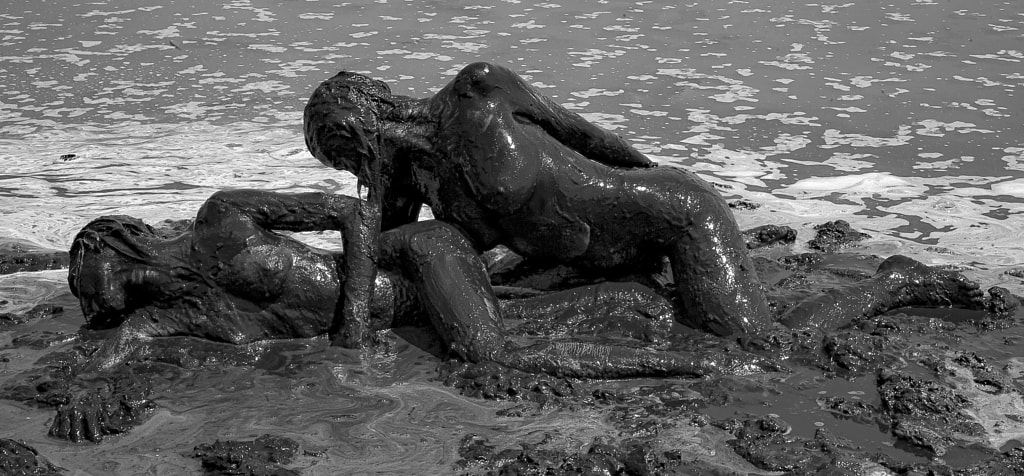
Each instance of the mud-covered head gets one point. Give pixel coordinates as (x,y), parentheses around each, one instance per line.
(342,121)
(107,256)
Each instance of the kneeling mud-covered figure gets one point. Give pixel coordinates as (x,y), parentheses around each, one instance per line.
(508,166)
(505,165)
(231,278)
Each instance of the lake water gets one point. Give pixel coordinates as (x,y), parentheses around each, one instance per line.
(903,118)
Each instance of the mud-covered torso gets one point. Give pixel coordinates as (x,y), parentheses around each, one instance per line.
(532,194)
(274,286)
(290,288)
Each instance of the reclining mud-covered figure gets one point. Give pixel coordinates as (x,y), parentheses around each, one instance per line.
(231,278)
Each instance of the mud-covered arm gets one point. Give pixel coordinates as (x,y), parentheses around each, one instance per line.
(574,131)
(592,141)
(358,221)
(350,327)
(311,211)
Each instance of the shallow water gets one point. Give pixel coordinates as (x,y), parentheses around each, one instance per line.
(903,118)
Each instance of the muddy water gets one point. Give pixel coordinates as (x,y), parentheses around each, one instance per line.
(903,118)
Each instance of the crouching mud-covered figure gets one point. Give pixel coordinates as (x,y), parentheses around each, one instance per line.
(232,279)
(505,165)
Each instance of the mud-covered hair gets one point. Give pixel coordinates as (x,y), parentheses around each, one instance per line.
(342,121)
(116,232)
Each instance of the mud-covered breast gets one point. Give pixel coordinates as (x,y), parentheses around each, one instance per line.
(258,272)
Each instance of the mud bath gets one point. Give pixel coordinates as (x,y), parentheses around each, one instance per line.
(901,119)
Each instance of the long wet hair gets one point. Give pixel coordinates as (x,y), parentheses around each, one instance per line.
(116,232)
(342,123)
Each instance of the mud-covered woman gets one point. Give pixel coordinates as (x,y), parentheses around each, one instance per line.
(232,278)
(504,165)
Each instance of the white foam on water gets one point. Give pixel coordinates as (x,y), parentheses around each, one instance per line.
(154,173)
(821,113)
(853,185)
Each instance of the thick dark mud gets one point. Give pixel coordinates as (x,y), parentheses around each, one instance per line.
(912,391)
(265,456)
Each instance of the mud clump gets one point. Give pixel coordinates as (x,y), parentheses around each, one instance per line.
(89,408)
(18,458)
(765,443)
(834,235)
(601,456)
(40,311)
(1010,463)
(926,414)
(984,376)
(266,456)
(856,352)
(856,410)
(47,387)
(496,382)
(1001,301)
(768,235)
(15,258)
(744,205)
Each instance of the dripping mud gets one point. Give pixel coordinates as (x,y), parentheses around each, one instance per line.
(912,390)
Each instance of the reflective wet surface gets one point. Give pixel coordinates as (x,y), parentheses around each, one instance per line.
(903,119)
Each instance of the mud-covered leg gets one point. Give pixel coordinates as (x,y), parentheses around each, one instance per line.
(899,281)
(627,309)
(716,284)
(455,290)
(452,283)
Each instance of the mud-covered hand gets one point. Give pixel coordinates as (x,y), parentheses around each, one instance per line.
(113,408)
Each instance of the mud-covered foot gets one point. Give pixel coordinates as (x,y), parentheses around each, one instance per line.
(920,285)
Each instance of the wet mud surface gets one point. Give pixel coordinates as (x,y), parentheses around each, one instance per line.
(902,119)
(913,391)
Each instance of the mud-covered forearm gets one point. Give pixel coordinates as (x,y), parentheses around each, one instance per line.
(311,211)
(350,327)
(592,141)
(529,105)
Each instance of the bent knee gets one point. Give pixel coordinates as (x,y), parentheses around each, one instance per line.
(429,238)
